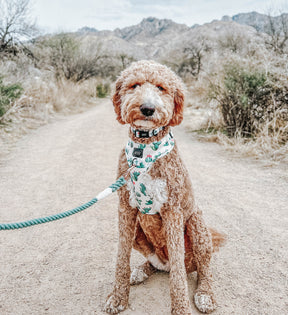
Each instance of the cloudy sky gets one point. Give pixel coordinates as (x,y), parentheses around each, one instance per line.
(70,15)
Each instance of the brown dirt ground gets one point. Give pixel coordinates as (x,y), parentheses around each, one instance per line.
(67,267)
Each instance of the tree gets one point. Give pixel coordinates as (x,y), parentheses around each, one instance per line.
(16,24)
(74,59)
(126,60)
(191,64)
(277,29)
(233,40)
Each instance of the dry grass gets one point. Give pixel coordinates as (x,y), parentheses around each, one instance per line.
(263,147)
(43,98)
(270,143)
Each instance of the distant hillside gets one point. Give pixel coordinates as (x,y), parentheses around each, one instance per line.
(150,28)
(257,20)
(87,29)
(157,38)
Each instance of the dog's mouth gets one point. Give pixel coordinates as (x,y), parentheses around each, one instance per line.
(154,121)
(145,124)
(143,119)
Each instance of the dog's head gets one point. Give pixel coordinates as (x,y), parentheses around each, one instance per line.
(149,95)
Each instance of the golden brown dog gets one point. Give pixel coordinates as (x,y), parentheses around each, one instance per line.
(157,212)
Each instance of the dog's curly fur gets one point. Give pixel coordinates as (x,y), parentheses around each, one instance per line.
(176,239)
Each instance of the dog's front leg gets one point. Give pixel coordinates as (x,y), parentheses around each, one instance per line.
(117,301)
(174,229)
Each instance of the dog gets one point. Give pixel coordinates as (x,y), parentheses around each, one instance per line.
(157,213)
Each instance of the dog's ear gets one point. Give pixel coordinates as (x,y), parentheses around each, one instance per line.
(178,108)
(116,99)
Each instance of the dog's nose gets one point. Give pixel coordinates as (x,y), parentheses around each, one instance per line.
(147,109)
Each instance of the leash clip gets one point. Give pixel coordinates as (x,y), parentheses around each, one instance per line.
(127,173)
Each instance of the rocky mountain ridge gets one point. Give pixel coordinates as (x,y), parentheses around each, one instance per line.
(257,20)
(157,38)
(151,26)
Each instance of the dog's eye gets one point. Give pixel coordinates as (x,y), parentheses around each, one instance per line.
(160,88)
(135,86)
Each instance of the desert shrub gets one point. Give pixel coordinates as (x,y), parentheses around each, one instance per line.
(232,41)
(8,94)
(235,41)
(102,90)
(69,58)
(126,60)
(190,66)
(248,98)
(278,33)
(188,60)
(192,59)
(62,50)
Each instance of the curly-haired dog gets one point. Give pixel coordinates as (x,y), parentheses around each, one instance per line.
(157,213)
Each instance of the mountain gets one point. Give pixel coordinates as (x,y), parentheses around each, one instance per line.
(158,38)
(151,38)
(261,22)
(87,29)
(150,28)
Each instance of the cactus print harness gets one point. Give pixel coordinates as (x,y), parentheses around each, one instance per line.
(142,156)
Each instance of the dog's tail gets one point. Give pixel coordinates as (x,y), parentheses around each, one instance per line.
(218,239)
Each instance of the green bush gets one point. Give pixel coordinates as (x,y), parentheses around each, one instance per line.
(8,94)
(102,90)
(248,98)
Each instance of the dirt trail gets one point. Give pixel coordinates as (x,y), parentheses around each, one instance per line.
(67,267)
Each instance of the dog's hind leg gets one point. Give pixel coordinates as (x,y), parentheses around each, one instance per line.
(141,273)
(202,247)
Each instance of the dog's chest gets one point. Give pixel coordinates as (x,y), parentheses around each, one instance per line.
(147,194)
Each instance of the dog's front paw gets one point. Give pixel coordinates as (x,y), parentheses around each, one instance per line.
(205,302)
(115,304)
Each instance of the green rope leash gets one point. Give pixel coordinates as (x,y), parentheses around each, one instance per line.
(19,225)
